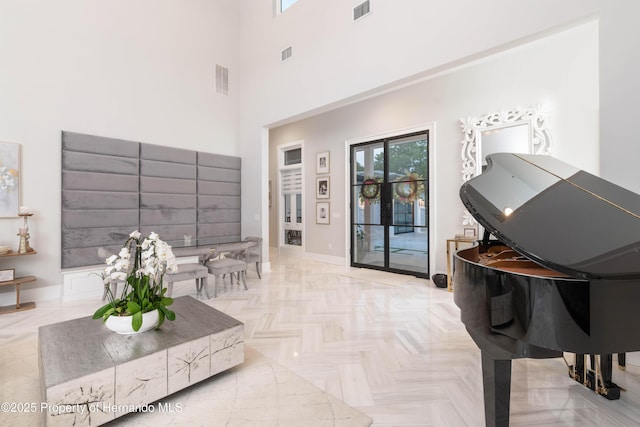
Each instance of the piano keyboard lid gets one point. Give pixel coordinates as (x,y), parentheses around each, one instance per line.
(561,217)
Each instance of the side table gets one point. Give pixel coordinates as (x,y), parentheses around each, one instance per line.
(456,240)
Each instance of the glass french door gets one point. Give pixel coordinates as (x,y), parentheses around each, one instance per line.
(390,204)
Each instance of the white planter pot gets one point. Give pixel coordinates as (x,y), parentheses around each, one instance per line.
(122,324)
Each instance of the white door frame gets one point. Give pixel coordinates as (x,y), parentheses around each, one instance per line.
(281,149)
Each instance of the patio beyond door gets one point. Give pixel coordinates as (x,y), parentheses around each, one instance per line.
(390,204)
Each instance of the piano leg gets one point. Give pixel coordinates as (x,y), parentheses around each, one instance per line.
(578,370)
(496,380)
(622,361)
(600,375)
(607,387)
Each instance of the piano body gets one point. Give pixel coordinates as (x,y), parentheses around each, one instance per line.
(562,276)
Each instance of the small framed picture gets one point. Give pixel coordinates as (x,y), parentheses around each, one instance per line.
(470,232)
(322,187)
(7,275)
(322,212)
(322,162)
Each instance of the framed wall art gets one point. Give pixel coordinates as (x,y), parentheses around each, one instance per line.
(322,212)
(322,187)
(9,179)
(7,275)
(322,162)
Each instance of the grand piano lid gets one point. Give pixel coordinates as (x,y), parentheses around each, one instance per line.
(561,217)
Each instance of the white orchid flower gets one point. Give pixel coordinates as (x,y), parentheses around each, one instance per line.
(124,253)
(119,275)
(135,235)
(111,259)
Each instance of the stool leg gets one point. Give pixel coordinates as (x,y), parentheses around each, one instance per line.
(215,289)
(198,288)
(243,274)
(169,289)
(203,284)
(258,270)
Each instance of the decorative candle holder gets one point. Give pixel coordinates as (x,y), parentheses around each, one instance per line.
(23,232)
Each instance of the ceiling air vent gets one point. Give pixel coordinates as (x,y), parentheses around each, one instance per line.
(222,80)
(361,10)
(286,54)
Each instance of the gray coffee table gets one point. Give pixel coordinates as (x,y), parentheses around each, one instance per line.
(90,375)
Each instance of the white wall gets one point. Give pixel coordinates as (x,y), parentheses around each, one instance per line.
(559,71)
(336,61)
(140,70)
(620,89)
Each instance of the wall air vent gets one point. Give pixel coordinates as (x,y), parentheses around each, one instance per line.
(361,10)
(222,80)
(286,54)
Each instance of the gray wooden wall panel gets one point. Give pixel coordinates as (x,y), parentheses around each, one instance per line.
(218,188)
(218,198)
(209,216)
(168,170)
(168,154)
(75,199)
(99,218)
(72,141)
(218,161)
(74,180)
(172,234)
(167,185)
(82,257)
(167,216)
(95,237)
(219,175)
(99,163)
(100,198)
(111,187)
(218,202)
(161,201)
(215,230)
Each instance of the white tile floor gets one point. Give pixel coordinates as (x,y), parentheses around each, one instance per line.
(397,353)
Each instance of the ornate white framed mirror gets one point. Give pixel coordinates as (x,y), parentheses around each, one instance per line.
(520,130)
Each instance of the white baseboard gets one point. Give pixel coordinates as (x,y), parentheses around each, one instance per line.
(329,259)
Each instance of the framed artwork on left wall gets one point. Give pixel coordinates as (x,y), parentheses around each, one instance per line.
(322,187)
(9,179)
(322,212)
(322,162)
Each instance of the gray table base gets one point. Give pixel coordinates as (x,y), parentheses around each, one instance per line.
(90,375)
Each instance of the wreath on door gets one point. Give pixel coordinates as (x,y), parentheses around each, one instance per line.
(370,190)
(407,187)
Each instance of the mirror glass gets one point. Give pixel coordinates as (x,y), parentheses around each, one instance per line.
(521,130)
(509,139)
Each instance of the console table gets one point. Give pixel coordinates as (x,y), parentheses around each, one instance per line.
(90,375)
(17,282)
(456,240)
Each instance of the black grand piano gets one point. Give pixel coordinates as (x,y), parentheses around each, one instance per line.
(560,274)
